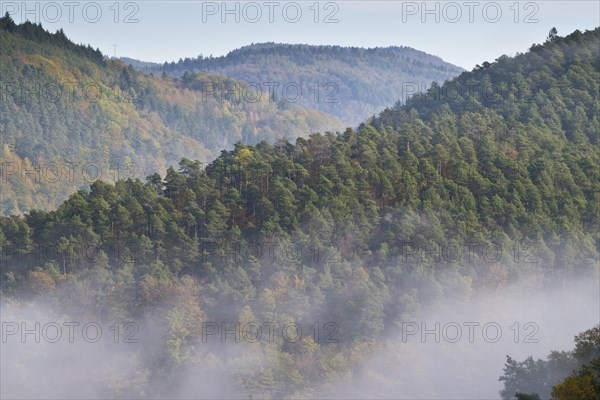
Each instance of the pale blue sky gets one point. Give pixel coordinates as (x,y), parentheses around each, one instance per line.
(168,30)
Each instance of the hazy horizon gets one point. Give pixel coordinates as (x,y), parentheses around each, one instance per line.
(447,32)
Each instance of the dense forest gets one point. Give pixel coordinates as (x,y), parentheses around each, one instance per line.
(353,83)
(453,196)
(68,115)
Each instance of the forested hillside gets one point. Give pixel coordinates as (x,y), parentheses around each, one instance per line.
(68,116)
(351,83)
(447,197)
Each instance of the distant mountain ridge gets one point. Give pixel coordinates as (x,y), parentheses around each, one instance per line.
(360,81)
(63,103)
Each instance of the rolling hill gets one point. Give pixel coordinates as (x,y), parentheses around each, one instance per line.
(350,83)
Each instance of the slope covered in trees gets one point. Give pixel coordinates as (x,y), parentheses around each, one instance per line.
(351,83)
(443,198)
(65,106)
